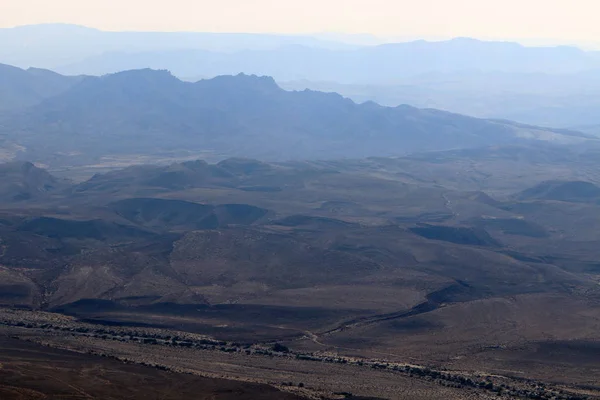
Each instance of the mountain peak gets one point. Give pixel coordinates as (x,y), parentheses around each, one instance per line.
(6,69)
(142,79)
(146,73)
(17,166)
(242,81)
(22,180)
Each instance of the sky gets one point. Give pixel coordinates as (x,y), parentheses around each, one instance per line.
(555,20)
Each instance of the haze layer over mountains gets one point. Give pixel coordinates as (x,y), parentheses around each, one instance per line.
(548,86)
(65,121)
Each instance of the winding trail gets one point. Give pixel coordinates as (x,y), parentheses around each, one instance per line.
(435,300)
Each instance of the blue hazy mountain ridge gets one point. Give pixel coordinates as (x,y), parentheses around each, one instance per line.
(54,45)
(75,49)
(559,100)
(148,111)
(547,86)
(21,88)
(383,64)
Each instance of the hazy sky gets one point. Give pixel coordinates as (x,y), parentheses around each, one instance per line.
(566,20)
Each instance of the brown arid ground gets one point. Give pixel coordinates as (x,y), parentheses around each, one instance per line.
(446,275)
(31,371)
(206,372)
(332,374)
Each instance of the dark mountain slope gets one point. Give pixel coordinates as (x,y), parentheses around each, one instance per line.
(23,181)
(146,111)
(173,177)
(180,215)
(458,235)
(92,229)
(162,213)
(512,226)
(228,257)
(242,174)
(569,191)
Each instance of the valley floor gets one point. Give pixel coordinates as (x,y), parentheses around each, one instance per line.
(131,355)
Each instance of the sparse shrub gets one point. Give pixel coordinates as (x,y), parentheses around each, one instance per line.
(278,347)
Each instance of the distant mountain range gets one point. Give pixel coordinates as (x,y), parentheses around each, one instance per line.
(144,112)
(547,86)
(55,45)
(383,64)
(559,100)
(21,88)
(78,50)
